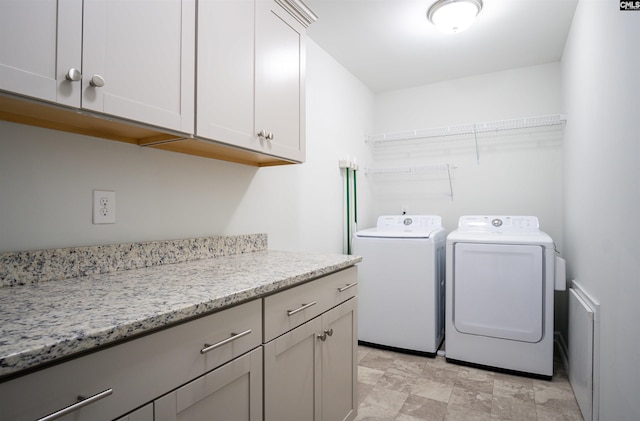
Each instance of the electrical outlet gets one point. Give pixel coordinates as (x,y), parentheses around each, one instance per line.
(104,207)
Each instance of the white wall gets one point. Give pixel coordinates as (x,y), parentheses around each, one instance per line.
(601,68)
(302,206)
(47,178)
(520,172)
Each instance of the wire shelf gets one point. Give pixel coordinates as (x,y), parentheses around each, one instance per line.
(468,129)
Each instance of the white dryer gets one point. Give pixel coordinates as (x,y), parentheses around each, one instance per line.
(401,283)
(501,275)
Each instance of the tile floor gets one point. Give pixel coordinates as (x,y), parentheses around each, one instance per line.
(399,387)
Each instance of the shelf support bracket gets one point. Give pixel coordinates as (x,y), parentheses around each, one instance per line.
(450,183)
(475,138)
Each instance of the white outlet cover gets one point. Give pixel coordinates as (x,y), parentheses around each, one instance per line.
(104,207)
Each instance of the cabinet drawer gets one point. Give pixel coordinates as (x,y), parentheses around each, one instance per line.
(232,392)
(137,371)
(286,310)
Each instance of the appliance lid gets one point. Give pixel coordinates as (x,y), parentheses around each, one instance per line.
(404,226)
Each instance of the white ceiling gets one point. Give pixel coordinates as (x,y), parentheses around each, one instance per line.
(390,44)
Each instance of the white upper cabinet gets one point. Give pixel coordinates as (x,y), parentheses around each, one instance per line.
(225,81)
(131,59)
(236,93)
(280,87)
(251,57)
(40,42)
(144,53)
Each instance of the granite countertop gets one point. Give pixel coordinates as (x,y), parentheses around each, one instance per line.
(45,321)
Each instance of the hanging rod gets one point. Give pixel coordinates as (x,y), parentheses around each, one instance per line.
(419,169)
(416,170)
(466,129)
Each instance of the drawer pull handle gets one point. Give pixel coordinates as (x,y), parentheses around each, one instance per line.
(302,307)
(84,402)
(346,287)
(233,337)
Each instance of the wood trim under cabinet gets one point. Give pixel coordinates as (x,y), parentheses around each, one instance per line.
(30,112)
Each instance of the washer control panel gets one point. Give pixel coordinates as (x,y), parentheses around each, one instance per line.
(498,223)
(409,223)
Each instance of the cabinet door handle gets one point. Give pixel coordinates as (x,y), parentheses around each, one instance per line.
(269,136)
(74,407)
(302,307)
(262,134)
(96,81)
(346,287)
(233,337)
(323,336)
(73,75)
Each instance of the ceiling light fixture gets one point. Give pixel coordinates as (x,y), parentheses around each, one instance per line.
(453,16)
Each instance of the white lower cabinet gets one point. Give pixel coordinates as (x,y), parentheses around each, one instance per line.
(291,383)
(231,392)
(310,372)
(339,355)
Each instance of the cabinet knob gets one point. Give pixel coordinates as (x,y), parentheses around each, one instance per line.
(96,81)
(264,135)
(323,336)
(73,75)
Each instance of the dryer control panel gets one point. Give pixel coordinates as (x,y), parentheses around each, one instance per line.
(498,223)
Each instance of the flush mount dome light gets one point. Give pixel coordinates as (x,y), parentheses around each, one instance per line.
(452,16)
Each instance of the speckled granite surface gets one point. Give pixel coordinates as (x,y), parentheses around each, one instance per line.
(41,322)
(26,267)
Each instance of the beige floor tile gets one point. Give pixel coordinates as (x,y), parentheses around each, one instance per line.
(455,413)
(511,389)
(385,398)
(432,390)
(397,381)
(362,351)
(405,417)
(471,399)
(401,387)
(560,411)
(369,375)
(424,408)
(474,385)
(376,359)
(509,408)
(549,391)
(408,367)
(440,374)
(374,413)
(363,390)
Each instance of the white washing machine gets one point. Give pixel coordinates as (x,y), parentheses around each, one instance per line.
(401,283)
(501,275)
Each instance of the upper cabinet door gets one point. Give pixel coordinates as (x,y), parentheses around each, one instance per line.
(40,43)
(280,60)
(138,60)
(225,79)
